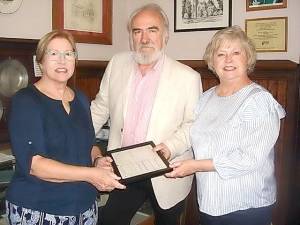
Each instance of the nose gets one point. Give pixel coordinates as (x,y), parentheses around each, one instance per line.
(228,58)
(62,57)
(145,37)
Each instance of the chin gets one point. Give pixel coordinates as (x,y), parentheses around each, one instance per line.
(147,58)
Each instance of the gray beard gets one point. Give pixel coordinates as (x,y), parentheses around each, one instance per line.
(146,59)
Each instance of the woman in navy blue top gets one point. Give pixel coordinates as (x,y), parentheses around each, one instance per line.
(52,138)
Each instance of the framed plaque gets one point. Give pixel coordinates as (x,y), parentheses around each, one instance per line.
(89,21)
(268,34)
(201,15)
(137,162)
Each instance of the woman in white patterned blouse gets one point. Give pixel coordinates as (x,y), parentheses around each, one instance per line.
(233,137)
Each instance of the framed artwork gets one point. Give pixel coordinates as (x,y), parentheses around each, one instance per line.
(89,21)
(253,5)
(194,15)
(268,34)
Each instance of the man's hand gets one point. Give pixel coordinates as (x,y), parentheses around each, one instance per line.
(164,150)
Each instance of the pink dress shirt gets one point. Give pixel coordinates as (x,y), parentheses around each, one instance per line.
(140,103)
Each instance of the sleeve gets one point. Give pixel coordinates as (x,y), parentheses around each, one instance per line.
(260,125)
(100,105)
(26,131)
(179,142)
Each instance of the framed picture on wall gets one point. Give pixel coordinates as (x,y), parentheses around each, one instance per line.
(195,15)
(253,5)
(268,34)
(89,21)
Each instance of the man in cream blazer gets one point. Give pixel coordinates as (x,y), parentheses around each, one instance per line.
(172,114)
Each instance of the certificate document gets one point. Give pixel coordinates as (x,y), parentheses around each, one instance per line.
(138,162)
(268,34)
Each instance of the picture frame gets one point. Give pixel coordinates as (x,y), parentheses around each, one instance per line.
(88,21)
(200,15)
(253,5)
(268,34)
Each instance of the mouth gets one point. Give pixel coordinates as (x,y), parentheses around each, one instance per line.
(229,68)
(61,70)
(147,48)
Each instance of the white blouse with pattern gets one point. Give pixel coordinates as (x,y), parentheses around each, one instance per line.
(238,133)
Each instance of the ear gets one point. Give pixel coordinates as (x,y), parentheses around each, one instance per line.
(166,39)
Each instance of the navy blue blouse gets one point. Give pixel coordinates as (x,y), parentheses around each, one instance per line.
(39,125)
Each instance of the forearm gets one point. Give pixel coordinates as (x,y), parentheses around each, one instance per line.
(204,165)
(54,171)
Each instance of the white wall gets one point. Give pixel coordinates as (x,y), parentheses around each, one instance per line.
(33,20)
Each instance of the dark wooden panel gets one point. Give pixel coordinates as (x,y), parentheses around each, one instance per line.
(89,75)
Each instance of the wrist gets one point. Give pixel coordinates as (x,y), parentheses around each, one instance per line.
(96,160)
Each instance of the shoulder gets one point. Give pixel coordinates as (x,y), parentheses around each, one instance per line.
(81,95)
(121,57)
(182,73)
(26,103)
(181,68)
(204,96)
(261,103)
(119,61)
(82,98)
(26,96)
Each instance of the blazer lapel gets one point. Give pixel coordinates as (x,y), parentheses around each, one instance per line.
(127,75)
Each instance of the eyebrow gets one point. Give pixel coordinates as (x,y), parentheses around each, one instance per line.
(148,28)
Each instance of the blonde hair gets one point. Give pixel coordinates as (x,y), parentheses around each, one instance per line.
(234,33)
(45,40)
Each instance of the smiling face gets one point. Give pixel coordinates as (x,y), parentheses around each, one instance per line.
(147,36)
(57,64)
(230,61)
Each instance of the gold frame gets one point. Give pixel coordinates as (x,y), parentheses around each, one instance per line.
(272,39)
(280,5)
(82,36)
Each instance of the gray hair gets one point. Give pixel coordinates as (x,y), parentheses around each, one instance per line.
(151,7)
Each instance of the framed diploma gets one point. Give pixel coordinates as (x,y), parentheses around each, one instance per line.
(89,21)
(137,162)
(268,34)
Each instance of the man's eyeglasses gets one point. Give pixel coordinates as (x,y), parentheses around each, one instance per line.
(56,55)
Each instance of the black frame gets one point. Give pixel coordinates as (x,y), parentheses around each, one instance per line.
(142,176)
(201,26)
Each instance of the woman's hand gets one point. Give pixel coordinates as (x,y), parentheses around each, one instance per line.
(190,166)
(53,171)
(104,162)
(103,179)
(182,168)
